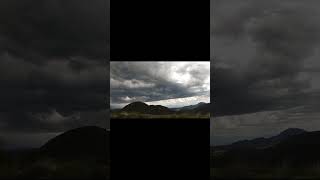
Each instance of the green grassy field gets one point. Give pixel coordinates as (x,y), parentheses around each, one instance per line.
(132,115)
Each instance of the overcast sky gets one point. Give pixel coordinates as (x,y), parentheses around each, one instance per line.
(171,84)
(266,68)
(53,67)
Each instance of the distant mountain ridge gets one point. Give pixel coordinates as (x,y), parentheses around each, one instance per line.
(263,142)
(202,108)
(141,107)
(190,107)
(292,153)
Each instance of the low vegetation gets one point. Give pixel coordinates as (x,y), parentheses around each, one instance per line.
(239,171)
(135,115)
(49,168)
(141,110)
(292,154)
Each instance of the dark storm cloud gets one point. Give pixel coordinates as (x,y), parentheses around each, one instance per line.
(154,81)
(231,95)
(51,121)
(228,129)
(259,53)
(53,64)
(55,28)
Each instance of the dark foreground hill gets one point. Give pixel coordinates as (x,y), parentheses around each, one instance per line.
(144,111)
(140,107)
(84,142)
(81,153)
(292,153)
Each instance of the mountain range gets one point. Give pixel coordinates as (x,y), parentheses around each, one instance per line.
(140,107)
(261,142)
(293,147)
(143,108)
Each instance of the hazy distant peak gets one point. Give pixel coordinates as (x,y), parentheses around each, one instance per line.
(292,131)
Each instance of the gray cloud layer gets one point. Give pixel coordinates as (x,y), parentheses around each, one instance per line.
(259,51)
(154,81)
(53,64)
(265,67)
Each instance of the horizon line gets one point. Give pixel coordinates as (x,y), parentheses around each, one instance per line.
(159,104)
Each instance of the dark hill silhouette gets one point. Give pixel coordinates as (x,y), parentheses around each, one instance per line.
(190,107)
(202,108)
(140,107)
(294,147)
(197,108)
(84,142)
(81,153)
(300,149)
(291,131)
(263,142)
(136,107)
(158,109)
